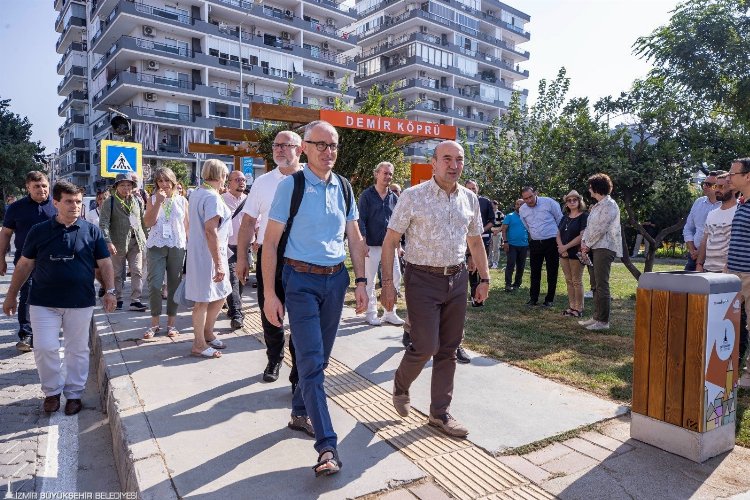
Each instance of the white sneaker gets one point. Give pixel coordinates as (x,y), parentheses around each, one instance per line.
(392,318)
(373,319)
(587,322)
(598,325)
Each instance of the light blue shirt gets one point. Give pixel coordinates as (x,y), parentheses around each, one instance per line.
(317,235)
(693,230)
(542,219)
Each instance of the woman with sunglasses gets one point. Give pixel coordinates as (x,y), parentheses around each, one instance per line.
(569,234)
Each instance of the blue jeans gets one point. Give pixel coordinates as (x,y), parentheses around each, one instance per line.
(314,303)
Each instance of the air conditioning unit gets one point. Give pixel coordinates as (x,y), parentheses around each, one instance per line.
(331,100)
(148,31)
(423,97)
(285,35)
(325,45)
(423,29)
(152,65)
(150,97)
(330,73)
(422,73)
(330,22)
(490,12)
(288,13)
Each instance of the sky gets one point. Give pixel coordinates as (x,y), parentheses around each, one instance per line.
(591,38)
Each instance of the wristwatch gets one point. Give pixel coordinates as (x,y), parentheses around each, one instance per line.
(485,280)
(112,292)
(360,280)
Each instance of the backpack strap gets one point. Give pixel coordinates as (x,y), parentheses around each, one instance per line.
(297,193)
(346,187)
(239,208)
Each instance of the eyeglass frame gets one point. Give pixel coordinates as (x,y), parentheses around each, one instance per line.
(318,144)
(283,146)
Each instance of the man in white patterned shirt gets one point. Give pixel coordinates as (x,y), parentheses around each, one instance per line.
(439,218)
(712,254)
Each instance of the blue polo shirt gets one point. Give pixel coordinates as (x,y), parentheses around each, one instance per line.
(375,214)
(317,235)
(517,234)
(64,261)
(22,215)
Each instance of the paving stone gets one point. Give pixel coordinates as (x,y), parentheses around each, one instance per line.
(529,470)
(428,491)
(397,495)
(588,448)
(617,428)
(547,453)
(18,457)
(602,440)
(570,463)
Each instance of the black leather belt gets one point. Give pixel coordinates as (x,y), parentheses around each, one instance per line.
(306,267)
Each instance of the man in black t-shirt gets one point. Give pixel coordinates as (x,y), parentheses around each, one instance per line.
(488,220)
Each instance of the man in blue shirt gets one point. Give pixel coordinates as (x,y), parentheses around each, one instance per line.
(376,204)
(515,246)
(62,253)
(20,217)
(315,279)
(692,232)
(541,216)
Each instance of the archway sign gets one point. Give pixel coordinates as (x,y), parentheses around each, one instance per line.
(410,130)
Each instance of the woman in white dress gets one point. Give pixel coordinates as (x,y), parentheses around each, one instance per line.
(167,217)
(207,279)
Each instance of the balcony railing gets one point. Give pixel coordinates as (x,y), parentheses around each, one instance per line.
(76,95)
(73,72)
(79,119)
(74,143)
(247,5)
(75,46)
(126,77)
(72,22)
(163,13)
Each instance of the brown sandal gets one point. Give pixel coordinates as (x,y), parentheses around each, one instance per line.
(334,461)
(151,332)
(172,332)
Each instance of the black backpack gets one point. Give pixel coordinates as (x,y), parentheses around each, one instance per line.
(297,194)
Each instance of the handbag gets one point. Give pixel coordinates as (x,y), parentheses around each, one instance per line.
(179,295)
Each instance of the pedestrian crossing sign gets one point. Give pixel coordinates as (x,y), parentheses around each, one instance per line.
(120,158)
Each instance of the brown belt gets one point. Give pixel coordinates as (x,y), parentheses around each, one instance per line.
(445,271)
(304,267)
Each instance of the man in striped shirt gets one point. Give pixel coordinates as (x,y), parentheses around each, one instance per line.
(738,261)
(712,254)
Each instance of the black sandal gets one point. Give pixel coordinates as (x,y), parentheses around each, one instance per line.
(337,463)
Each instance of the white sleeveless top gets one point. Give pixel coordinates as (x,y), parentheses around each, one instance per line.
(176,222)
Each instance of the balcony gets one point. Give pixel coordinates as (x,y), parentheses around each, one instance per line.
(166,117)
(144,47)
(125,85)
(74,79)
(73,47)
(73,30)
(244,6)
(74,144)
(77,96)
(75,119)
(420,14)
(457,113)
(78,168)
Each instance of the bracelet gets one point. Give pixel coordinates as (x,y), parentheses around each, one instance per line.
(360,280)
(485,280)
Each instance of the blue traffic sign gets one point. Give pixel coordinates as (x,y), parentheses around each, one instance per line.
(120,158)
(247,165)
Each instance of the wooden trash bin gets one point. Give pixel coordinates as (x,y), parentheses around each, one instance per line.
(685,374)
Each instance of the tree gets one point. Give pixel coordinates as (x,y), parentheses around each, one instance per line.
(18,154)
(181,171)
(705,49)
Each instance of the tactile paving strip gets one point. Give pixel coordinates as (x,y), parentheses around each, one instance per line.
(462,469)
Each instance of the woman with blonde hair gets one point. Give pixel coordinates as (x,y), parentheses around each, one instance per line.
(207,279)
(167,219)
(569,233)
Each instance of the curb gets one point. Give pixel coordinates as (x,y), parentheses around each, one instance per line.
(140,463)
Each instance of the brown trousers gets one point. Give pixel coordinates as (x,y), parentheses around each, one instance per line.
(437,310)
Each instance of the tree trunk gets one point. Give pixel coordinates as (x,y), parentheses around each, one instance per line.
(625,259)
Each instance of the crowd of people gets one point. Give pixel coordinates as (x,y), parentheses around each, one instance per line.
(300,220)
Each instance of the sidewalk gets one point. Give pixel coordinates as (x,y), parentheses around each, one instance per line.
(184,427)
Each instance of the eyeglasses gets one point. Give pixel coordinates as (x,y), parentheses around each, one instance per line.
(730,174)
(571,199)
(284,146)
(322,146)
(710,185)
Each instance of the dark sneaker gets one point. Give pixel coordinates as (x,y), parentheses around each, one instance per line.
(73,406)
(52,403)
(462,356)
(271,373)
(531,303)
(449,425)
(24,344)
(406,339)
(294,387)
(548,303)
(508,289)
(138,306)
(302,423)
(119,305)
(402,403)
(236,323)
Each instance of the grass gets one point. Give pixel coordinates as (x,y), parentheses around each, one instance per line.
(553,346)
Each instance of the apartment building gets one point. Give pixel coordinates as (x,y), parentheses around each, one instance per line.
(179,69)
(455,62)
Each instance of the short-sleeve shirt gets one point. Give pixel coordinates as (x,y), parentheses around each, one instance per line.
(233,202)
(717,229)
(436,224)
(64,261)
(260,198)
(517,234)
(317,234)
(374,215)
(23,214)
(739,244)
(177,206)
(570,228)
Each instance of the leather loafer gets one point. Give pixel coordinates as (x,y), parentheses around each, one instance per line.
(73,406)
(271,373)
(52,403)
